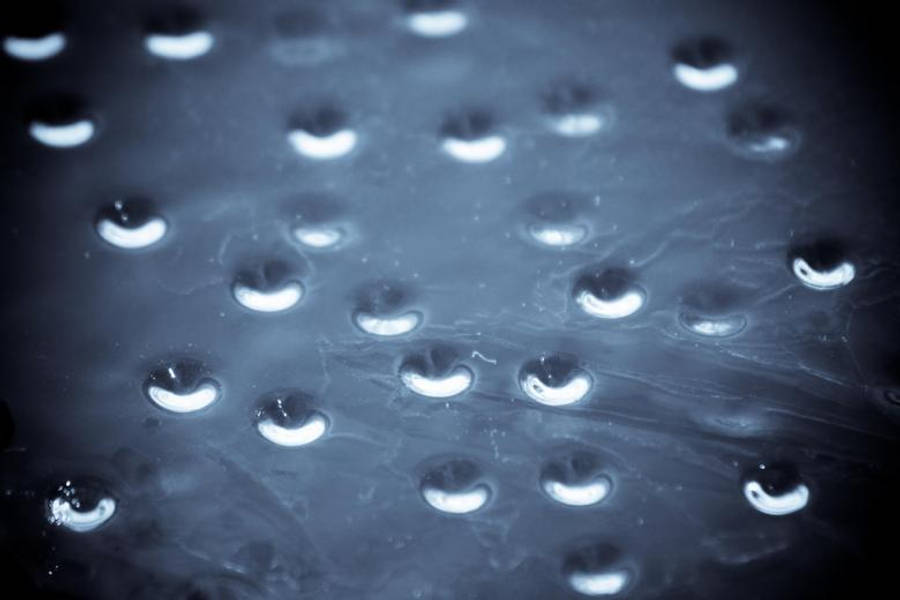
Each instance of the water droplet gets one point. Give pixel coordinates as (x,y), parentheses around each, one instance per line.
(289,418)
(596,570)
(775,489)
(821,265)
(35,32)
(181,386)
(178,34)
(436,374)
(322,134)
(709,311)
(762,132)
(435,18)
(575,480)
(553,219)
(130,223)
(317,222)
(270,286)
(558,234)
(319,237)
(555,380)
(704,64)
(60,121)
(80,507)
(455,487)
(34,49)
(608,293)
(383,310)
(470,137)
(573,110)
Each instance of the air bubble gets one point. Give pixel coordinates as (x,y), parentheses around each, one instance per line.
(130,224)
(575,480)
(608,294)
(455,487)
(762,132)
(289,418)
(435,18)
(322,134)
(61,121)
(80,507)
(470,137)
(704,64)
(178,35)
(181,386)
(555,380)
(436,374)
(775,489)
(271,286)
(383,310)
(822,265)
(596,570)
(572,110)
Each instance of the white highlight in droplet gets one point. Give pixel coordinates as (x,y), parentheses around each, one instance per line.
(437,24)
(62,136)
(599,584)
(618,308)
(63,513)
(837,277)
(274,301)
(481,150)
(34,49)
(559,235)
(455,383)
(570,393)
(328,147)
(706,80)
(457,503)
(319,238)
(137,237)
(583,494)
(782,504)
(714,327)
(308,432)
(179,47)
(199,399)
(388,326)
(577,124)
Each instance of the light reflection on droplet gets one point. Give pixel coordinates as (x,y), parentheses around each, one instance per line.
(597,570)
(578,124)
(181,387)
(723,326)
(775,489)
(577,495)
(275,300)
(306,433)
(64,135)
(179,47)
(555,381)
(438,23)
(130,224)
(80,508)
(475,151)
(455,487)
(762,132)
(614,308)
(389,325)
(706,80)
(327,147)
(319,237)
(558,234)
(35,48)
(599,584)
(456,382)
(827,279)
(289,418)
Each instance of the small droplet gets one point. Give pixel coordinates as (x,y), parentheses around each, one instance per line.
(322,134)
(821,265)
(80,507)
(455,487)
(383,310)
(596,570)
(704,64)
(289,418)
(181,386)
(469,137)
(775,489)
(271,286)
(762,132)
(555,380)
(575,480)
(435,18)
(608,294)
(61,121)
(178,35)
(573,110)
(130,224)
(436,374)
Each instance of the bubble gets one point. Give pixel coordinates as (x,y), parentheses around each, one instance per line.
(704,64)
(821,265)
(469,137)
(709,311)
(35,48)
(575,480)
(181,386)
(289,418)
(436,374)
(60,121)
(608,293)
(35,31)
(80,507)
(383,310)
(455,487)
(178,34)
(573,110)
(322,134)
(762,132)
(775,489)
(271,286)
(596,570)
(130,224)
(555,380)
(435,18)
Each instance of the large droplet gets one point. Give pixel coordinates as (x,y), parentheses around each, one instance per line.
(575,479)
(81,506)
(131,223)
(775,489)
(61,121)
(436,374)
(704,64)
(608,293)
(555,380)
(821,265)
(435,18)
(383,309)
(456,487)
(321,133)
(573,110)
(268,286)
(178,34)
(597,570)
(290,418)
(762,132)
(181,386)
(470,137)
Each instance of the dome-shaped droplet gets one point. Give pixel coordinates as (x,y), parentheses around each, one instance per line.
(321,133)
(573,110)
(554,219)
(711,310)
(775,489)
(268,286)
(178,34)
(456,486)
(61,121)
(596,570)
(317,221)
(435,18)
(705,64)
(80,506)
(34,31)
(608,293)
(383,309)
(575,479)
(436,374)
(130,223)
(555,380)
(181,386)
(762,132)
(471,137)
(290,418)
(821,265)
